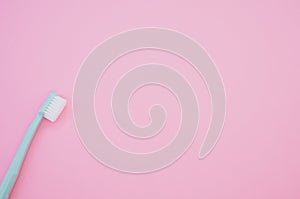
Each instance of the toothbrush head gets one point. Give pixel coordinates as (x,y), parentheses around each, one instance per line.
(54,108)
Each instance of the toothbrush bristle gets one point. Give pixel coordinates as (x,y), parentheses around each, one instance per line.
(54,108)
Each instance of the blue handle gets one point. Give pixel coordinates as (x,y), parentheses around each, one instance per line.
(14,169)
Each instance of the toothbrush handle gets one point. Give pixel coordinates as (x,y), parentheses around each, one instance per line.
(15,166)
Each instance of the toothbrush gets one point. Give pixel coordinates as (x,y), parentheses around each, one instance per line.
(50,110)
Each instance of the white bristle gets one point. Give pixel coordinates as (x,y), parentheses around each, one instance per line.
(54,108)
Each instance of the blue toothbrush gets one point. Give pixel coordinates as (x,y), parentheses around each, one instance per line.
(50,110)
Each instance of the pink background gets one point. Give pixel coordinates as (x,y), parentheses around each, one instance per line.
(256,47)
